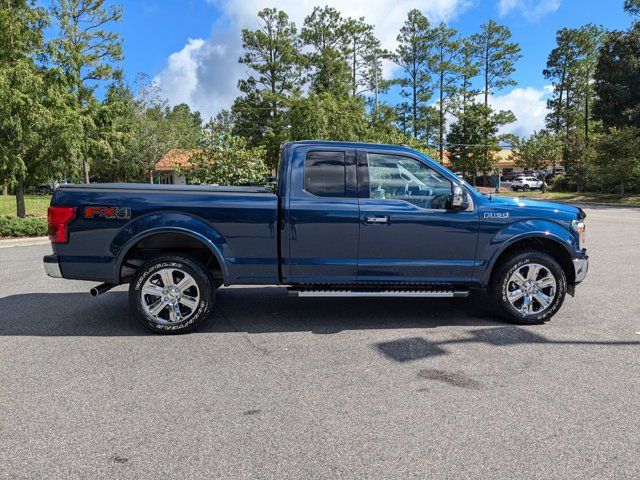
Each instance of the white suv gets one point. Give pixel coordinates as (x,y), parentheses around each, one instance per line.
(526,184)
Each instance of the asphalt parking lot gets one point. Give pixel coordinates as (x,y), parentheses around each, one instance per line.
(277,387)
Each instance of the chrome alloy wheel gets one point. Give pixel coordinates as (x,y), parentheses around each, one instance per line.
(531,288)
(170,296)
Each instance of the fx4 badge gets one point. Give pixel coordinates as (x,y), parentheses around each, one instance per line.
(496,215)
(112,213)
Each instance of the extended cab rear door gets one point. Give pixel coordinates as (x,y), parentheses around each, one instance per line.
(406,232)
(321,216)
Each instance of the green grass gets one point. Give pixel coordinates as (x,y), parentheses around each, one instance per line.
(36,205)
(631,200)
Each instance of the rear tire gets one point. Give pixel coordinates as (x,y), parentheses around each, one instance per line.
(171,294)
(528,287)
(526,188)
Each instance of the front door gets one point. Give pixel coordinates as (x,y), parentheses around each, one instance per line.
(406,232)
(322,216)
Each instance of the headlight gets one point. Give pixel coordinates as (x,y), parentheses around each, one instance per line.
(579,226)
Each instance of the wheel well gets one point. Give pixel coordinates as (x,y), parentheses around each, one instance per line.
(161,243)
(551,247)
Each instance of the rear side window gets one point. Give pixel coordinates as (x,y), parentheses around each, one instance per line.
(324,174)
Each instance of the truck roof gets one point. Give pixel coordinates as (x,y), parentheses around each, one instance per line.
(330,143)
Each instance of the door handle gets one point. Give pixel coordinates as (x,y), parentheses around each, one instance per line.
(376,220)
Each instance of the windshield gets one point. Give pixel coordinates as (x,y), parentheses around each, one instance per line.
(461,180)
(470,187)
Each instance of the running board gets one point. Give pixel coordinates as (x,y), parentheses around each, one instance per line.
(380,293)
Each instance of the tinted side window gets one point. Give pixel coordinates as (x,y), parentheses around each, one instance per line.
(324,174)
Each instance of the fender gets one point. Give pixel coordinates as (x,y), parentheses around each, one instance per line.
(520,230)
(169,222)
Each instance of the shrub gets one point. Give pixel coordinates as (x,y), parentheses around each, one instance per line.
(226,159)
(562,183)
(22,227)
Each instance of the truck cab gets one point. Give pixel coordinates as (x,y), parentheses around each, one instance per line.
(372,214)
(346,219)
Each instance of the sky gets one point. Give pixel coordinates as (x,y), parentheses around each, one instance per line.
(191,47)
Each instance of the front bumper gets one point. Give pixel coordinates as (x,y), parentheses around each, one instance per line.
(581,267)
(52,266)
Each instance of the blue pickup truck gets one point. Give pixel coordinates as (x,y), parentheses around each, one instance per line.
(346,220)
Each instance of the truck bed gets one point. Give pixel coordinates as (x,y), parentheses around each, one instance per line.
(239,222)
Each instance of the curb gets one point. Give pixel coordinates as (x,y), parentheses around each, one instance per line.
(578,203)
(23,242)
(594,204)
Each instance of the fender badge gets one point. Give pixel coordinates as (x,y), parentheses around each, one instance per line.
(112,213)
(496,215)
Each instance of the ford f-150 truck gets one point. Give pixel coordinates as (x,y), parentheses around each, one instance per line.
(346,220)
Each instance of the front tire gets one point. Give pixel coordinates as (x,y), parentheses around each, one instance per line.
(171,294)
(528,287)
(526,188)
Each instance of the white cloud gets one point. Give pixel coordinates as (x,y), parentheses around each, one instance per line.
(180,74)
(530,9)
(529,106)
(204,74)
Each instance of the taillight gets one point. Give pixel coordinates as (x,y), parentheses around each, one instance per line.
(58,218)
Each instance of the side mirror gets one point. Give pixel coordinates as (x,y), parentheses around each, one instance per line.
(458,200)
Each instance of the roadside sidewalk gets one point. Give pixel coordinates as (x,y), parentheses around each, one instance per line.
(23,242)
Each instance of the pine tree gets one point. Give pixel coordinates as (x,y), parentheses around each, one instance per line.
(364,50)
(632,6)
(412,55)
(445,67)
(469,68)
(497,57)
(325,33)
(272,54)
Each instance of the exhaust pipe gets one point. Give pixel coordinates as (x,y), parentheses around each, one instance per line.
(102,288)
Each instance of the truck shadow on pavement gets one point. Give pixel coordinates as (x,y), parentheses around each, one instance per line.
(251,310)
(271,310)
(417,348)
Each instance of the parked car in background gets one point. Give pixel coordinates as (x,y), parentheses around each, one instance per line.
(510,176)
(48,188)
(44,189)
(527,183)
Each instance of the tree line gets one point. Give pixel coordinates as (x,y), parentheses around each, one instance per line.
(67,111)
